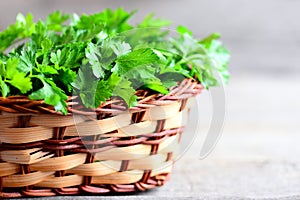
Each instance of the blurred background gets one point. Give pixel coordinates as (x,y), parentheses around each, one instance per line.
(258,153)
(263,36)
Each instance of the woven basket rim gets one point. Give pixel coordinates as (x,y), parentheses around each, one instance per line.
(22,104)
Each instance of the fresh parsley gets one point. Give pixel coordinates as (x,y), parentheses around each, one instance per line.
(102,55)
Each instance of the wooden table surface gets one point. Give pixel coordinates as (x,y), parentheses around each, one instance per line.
(257,156)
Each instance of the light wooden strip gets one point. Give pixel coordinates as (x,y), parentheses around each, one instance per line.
(17,155)
(163,112)
(98,127)
(48,120)
(179,120)
(146,127)
(125,153)
(60,182)
(24,156)
(14,114)
(22,152)
(97,168)
(167,168)
(8,169)
(25,179)
(25,135)
(59,163)
(169,145)
(39,156)
(148,163)
(119,178)
(141,128)
(190,103)
(7,121)
(83,129)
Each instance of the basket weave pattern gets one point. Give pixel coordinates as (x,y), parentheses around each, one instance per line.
(44,153)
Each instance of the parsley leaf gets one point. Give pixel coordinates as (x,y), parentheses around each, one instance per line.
(218,54)
(16,78)
(22,29)
(55,21)
(134,59)
(52,95)
(4,87)
(122,88)
(94,58)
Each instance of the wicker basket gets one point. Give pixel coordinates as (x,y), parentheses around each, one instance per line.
(43,153)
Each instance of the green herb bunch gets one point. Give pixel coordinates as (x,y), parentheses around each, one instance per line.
(101,55)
